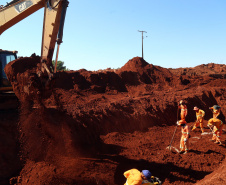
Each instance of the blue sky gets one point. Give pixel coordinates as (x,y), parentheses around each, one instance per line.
(104,34)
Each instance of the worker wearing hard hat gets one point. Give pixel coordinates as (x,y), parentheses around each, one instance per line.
(199,118)
(217,129)
(216,124)
(184,111)
(216,110)
(185,134)
(135,177)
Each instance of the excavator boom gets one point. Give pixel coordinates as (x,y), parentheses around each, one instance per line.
(53,22)
(17,10)
(54,15)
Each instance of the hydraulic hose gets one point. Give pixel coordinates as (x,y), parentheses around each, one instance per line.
(62,20)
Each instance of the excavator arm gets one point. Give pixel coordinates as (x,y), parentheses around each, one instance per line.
(54,16)
(17,10)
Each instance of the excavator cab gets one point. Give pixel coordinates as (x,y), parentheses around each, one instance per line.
(8,99)
(5,58)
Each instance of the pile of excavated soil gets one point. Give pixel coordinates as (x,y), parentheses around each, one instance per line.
(93,126)
(211,69)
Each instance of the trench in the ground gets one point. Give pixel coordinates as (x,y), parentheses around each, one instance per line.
(148,150)
(151,152)
(130,141)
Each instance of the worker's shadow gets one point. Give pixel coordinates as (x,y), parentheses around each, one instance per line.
(200,152)
(212,151)
(195,151)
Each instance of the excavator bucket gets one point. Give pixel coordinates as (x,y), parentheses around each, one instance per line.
(28,85)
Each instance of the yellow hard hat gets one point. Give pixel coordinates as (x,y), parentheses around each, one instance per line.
(196,108)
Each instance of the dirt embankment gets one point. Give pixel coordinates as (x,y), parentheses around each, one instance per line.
(9,146)
(96,125)
(211,69)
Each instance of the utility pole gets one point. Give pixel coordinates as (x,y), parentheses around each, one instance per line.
(142,42)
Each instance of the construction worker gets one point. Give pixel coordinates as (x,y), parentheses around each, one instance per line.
(185,133)
(135,177)
(216,110)
(199,118)
(216,124)
(184,111)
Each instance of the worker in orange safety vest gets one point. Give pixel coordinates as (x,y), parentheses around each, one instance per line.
(199,118)
(216,123)
(184,111)
(135,177)
(216,110)
(185,134)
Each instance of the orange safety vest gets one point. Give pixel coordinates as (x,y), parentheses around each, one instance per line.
(185,131)
(184,111)
(215,112)
(216,122)
(200,113)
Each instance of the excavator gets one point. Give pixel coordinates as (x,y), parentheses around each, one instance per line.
(53,23)
(5,58)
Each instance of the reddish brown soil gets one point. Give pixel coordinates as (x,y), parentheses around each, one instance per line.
(93,126)
(9,146)
(214,70)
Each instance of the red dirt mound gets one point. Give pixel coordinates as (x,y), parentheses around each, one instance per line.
(211,69)
(93,126)
(137,71)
